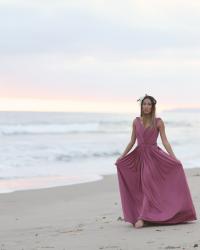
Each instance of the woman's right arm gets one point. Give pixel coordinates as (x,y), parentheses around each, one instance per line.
(132,141)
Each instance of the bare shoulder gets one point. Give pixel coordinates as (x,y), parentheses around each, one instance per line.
(134,121)
(159,119)
(160,122)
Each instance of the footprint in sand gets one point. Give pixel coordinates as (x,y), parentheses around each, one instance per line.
(172,247)
(116,247)
(72,231)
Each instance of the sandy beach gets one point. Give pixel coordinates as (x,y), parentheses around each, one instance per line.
(87,216)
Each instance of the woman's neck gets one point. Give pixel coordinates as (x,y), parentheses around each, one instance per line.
(146,117)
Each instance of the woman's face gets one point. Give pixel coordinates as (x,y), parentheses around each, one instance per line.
(146,106)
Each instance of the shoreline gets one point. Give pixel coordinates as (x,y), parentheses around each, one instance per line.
(32,181)
(54,179)
(87,216)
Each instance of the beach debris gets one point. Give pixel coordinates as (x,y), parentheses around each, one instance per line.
(120,218)
(196,174)
(195,245)
(81,225)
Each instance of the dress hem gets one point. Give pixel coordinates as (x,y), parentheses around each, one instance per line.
(182,220)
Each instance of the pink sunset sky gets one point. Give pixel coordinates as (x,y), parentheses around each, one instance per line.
(98,55)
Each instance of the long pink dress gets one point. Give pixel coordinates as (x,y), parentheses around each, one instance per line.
(152,184)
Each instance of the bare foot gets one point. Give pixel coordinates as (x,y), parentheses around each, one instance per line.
(139,224)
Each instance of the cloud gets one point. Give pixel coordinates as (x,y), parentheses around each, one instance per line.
(98,49)
(97,27)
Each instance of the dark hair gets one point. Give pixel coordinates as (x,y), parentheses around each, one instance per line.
(153,111)
(153,100)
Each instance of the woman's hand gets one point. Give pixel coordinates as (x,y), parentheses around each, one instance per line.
(176,159)
(118,158)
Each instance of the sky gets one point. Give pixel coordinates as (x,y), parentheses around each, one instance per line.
(96,55)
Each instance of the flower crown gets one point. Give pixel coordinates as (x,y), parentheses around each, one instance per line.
(142,97)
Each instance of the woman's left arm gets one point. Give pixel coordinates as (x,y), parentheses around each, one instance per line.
(164,139)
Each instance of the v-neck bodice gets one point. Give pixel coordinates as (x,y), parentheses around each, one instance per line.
(142,123)
(148,135)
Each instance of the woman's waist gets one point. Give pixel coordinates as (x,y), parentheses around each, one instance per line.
(147,144)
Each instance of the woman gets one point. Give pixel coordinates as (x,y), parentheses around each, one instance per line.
(152,183)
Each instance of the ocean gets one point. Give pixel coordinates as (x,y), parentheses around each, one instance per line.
(47,149)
